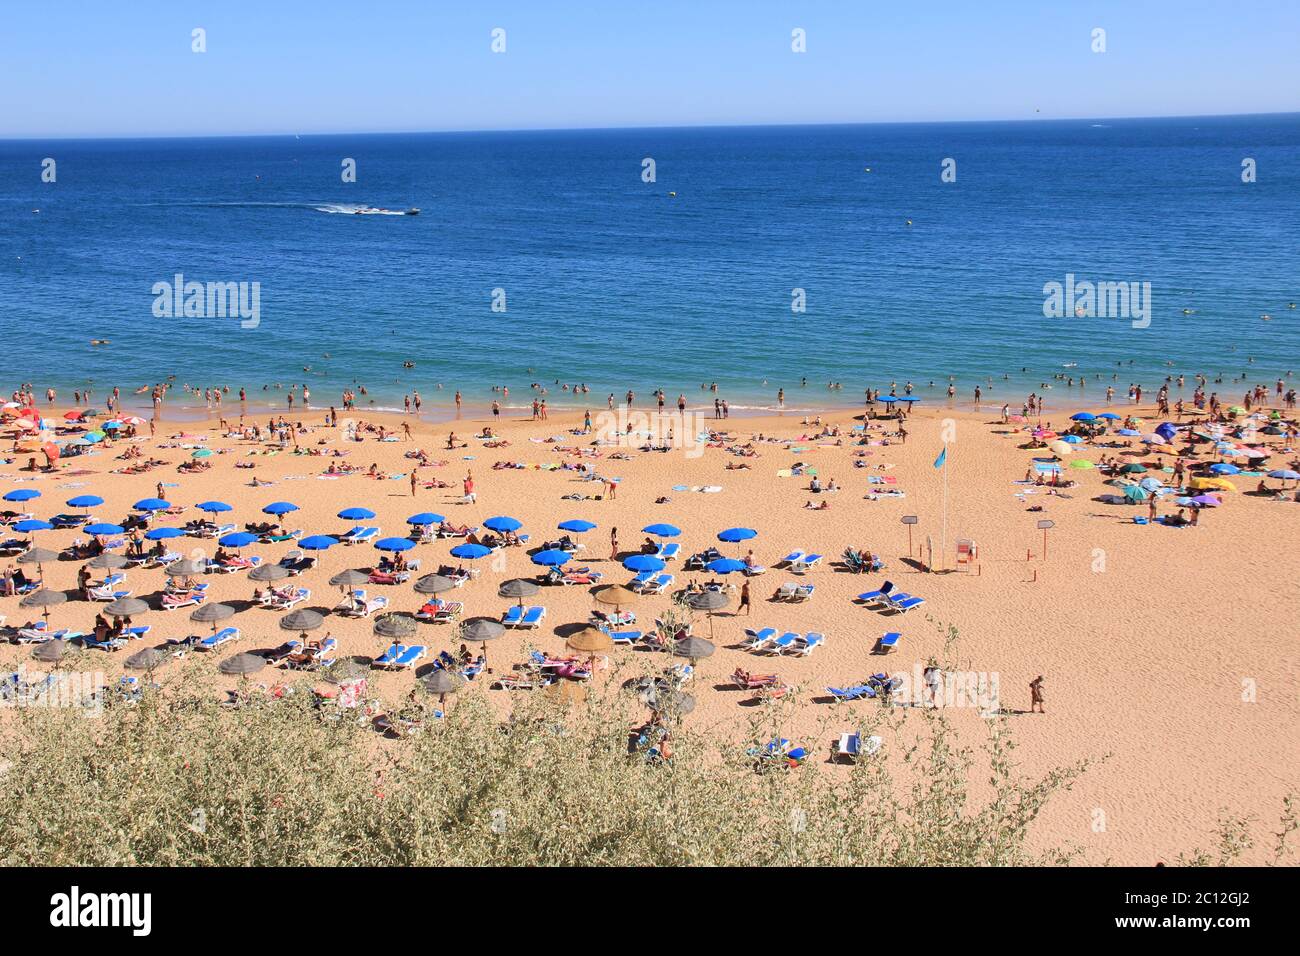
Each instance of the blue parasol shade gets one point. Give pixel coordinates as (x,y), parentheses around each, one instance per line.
(576,525)
(85,501)
(318,542)
(103,528)
(1286,474)
(1220,468)
(159,534)
(237,539)
(1166,430)
(394,544)
(1110,416)
(662,530)
(908,398)
(356,514)
(552,558)
(470,552)
(213,507)
(1135,493)
(1129,432)
(643,562)
(503,523)
(1083,417)
(279,508)
(22,494)
(32,524)
(1072,439)
(737,534)
(151,504)
(725,566)
(424,519)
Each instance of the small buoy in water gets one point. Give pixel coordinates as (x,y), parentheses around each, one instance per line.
(672,195)
(909,222)
(866,169)
(36,211)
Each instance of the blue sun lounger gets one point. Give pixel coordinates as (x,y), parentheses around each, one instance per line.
(757,639)
(780,645)
(879,596)
(902,603)
(888,642)
(841,694)
(222,637)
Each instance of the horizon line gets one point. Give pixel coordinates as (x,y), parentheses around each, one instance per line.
(633,127)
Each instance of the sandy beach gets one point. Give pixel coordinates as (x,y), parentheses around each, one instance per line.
(1167,654)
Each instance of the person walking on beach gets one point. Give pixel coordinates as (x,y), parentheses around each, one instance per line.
(611,489)
(613,544)
(1036,695)
(457,401)
(496,410)
(470,496)
(744,599)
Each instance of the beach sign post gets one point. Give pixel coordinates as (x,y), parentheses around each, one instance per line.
(909,520)
(1044,525)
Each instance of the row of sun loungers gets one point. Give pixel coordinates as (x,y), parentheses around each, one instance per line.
(888,599)
(524,618)
(768,641)
(794,592)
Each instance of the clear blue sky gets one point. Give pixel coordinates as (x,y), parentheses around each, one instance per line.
(95,68)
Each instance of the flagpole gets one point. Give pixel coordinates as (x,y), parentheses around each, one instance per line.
(943,538)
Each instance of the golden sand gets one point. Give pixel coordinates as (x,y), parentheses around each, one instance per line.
(1171,652)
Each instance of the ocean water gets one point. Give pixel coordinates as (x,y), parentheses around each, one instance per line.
(614,282)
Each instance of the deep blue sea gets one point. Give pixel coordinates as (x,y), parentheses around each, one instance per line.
(618,283)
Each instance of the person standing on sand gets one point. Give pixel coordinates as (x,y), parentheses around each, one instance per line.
(470,496)
(414,481)
(496,410)
(744,599)
(1036,695)
(458,400)
(613,544)
(611,489)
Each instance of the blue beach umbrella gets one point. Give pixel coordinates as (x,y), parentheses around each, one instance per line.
(424,519)
(279,508)
(576,525)
(318,542)
(213,507)
(1129,432)
(356,514)
(1072,439)
(503,523)
(151,504)
(1220,468)
(32,524)
(103,528)
(1286,474)
(662,530)
(1110,416)
(470,552)
(22,494)
(160,534)
(1166,430)
(1083,417)
(552,558)
(111,426)
(641,563)
(91,438)
(394,544)
(237,539)
(84,501)
(732,535)
(725,566)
